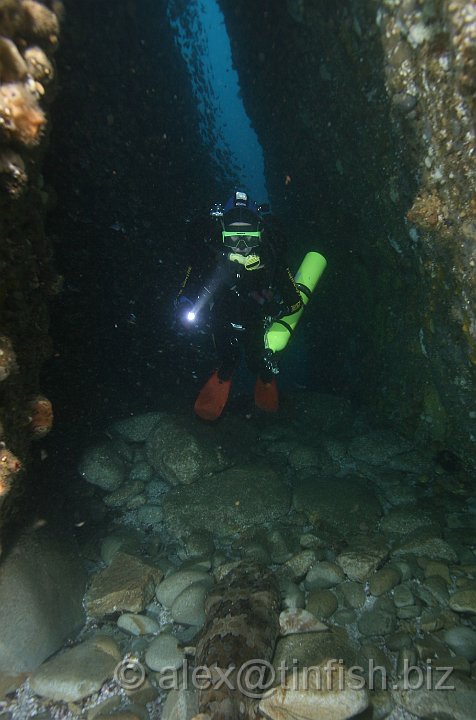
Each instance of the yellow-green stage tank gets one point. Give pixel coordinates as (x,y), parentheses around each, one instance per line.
(279,333)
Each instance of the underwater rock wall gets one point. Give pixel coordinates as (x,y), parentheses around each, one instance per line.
(367,111)
(29,35)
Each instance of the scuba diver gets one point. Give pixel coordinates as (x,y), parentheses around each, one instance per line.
(242,280)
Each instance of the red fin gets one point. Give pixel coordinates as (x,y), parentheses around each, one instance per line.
(266,395)
(212,398)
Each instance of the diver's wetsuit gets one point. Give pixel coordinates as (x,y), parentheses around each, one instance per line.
(241,298)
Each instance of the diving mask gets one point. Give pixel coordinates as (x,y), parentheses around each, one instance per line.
(241,240)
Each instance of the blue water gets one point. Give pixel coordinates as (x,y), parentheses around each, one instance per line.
(202,38)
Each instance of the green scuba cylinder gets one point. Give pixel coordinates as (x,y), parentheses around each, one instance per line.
(279,333)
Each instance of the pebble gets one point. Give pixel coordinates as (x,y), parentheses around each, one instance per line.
(344,617)
(371,658)
(309,541)
(141,472)
(429,647)
(384,580)
(299,564)
(376,622)
(127,584)
(425,702)
(104,707)
(324,575)
(181,704)
(462,640)
(223,570)
(405,569)
(170,588)
(353,593)
(120,497)
(188,608)
(164,653)
(109,547)
(465,583)
(439,589)
(136,502)
(144,694)
(438,569)
(102,467)
(294,622)
(127,713)
(407,657)
(398,640)
(303,457)
(202,564)
(310,649)
(360,564)
(430,620)
(136,428)
(9,682)
(321,603)
(197,544)
(409,612)
(256,552)
(311,701)
(150,517)
(138,624)
(403,596)
(464,601)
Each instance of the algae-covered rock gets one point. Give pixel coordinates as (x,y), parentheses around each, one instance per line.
(360,563)
(377,447)
(137,428)
(343,504)
(102,466)
(228,502)
(183,454)
(310,649)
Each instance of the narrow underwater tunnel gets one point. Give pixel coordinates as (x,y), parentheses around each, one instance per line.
(342,526)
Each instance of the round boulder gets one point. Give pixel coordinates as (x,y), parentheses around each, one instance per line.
(182,454)
(227,503)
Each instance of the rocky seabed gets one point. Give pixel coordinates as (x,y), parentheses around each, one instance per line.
(370,538)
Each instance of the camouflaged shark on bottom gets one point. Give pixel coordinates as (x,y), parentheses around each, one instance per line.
(242,625)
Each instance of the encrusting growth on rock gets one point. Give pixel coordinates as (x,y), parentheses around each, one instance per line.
(29,36)
(40,22)
(7,357)
(21,118)
(9,466)
(39,66)
(13,177)
(12,66)
(11,17)
(40,417)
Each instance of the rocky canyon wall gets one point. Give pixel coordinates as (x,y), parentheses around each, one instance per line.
(366,112)
(29,36)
